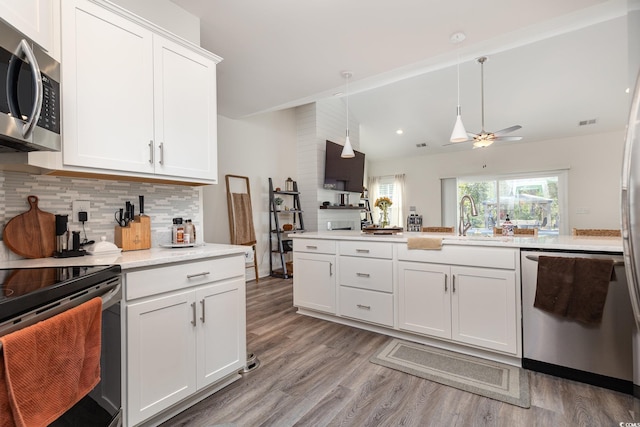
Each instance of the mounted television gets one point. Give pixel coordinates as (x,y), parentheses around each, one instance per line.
(343,174)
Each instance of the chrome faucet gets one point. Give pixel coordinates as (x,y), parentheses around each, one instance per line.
(462,227)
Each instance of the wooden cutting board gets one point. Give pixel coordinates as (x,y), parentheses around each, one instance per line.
(31,234)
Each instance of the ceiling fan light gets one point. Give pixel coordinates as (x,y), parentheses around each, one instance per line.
(347,150)
(459,133)
(482,143)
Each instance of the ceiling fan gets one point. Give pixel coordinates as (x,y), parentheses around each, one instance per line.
(484,138)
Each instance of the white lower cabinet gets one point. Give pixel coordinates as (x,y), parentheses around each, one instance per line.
(464,296)
(424,298)
(314,281)
(365,305)
(469,305)
(180,342)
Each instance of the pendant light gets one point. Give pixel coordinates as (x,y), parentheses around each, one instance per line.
(347,151)
(459,133)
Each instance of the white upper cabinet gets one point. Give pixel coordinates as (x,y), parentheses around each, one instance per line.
(107,90)
(135,102)
(34,18)
(185,111)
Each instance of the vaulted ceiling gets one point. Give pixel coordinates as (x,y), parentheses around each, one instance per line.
(551,64)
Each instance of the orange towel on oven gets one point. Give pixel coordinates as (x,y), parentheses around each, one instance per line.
(47,368)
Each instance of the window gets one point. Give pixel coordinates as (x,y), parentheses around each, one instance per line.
(528,200)
(392,187)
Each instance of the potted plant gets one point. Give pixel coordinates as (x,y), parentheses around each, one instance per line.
(278,201)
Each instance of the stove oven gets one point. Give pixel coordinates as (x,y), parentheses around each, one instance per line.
(29,295)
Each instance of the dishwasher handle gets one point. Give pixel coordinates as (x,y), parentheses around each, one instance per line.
(535,258)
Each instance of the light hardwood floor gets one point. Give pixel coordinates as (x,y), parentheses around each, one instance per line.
(317,373)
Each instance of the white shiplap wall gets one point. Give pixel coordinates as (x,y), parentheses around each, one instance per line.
(316,123)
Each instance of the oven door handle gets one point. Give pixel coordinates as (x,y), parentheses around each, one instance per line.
(535,258)
(106,298)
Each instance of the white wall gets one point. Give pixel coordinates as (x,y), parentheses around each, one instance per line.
(167,15)
(594,163)
(259,147)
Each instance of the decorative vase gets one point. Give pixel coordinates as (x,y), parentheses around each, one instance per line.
(384,222)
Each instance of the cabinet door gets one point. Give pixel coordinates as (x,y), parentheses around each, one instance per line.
(185,112)
(107,90)
(161,358)
(221,342)
(33,18)
(484,308)
(314,281)
(424,298)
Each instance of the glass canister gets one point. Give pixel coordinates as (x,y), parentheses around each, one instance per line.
(178,231)
(189,231)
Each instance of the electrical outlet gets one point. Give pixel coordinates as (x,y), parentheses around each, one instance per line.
(80,206)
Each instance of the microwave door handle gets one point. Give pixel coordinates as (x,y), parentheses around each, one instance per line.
(24,51)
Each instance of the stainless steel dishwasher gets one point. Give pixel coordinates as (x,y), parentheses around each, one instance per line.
(601,355)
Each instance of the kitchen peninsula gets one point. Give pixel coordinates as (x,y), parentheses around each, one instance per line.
(464,297)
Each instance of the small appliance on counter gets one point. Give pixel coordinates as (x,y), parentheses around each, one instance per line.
(414,221)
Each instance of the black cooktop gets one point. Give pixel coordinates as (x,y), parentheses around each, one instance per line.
(25,289)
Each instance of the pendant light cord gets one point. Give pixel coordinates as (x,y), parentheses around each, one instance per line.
(482,88)
(347,91)
(458,67)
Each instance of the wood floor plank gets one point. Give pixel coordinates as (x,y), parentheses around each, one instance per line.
(317,373)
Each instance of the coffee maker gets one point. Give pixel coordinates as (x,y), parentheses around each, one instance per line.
(62,233)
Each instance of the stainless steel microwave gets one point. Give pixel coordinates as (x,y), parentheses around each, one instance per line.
(29,95)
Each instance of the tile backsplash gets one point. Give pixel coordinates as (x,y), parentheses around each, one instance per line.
(56,194)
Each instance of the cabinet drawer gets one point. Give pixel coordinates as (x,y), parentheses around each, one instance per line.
(366,273)
(477,256)
(366,249)
(314,246)
(169,278)
(370,306)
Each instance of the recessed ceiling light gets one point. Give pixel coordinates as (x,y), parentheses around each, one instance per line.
(399,131)
(627,91)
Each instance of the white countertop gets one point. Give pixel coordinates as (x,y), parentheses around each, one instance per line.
(565,243)
(134,259)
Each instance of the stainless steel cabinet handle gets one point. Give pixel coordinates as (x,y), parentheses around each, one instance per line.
(193,308)
(311,247)
(363,274)
(161,153)
(445,282)
(453,283)
(364,307)
(362,251)
(202,302)
(191,276)
(151,151)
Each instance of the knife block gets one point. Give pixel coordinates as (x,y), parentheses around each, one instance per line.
(135,236)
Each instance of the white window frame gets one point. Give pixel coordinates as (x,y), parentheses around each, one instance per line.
(452,212)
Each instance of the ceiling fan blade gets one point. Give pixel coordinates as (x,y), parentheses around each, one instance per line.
(508,138)
(507,130)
